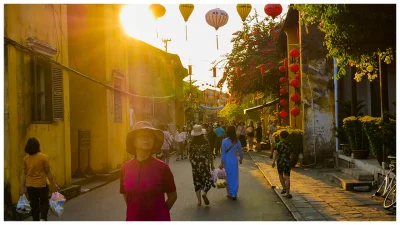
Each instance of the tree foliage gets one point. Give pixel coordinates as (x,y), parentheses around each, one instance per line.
(355,34)
(231,111)
(254,45)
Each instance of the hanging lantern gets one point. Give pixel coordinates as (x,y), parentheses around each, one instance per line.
(285,63)
(273,10)
(282,69)
(295,97)
(217,18)
(294,53)
(243,10)
(186,11)
(295,111)
(283,102)
(282,80)
(295,68)
(297,76)
(294,82)
(283,114)
(262,68)
(238,71)
(214,69)
(283,91)
(158,11)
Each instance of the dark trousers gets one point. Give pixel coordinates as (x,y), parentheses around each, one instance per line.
(39,202)
(218,143)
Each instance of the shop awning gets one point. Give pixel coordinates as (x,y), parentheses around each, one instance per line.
(261,106)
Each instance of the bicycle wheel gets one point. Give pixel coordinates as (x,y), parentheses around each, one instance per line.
(381,190)
(390,199)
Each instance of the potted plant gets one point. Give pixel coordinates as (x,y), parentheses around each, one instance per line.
(372,126)
(356,137)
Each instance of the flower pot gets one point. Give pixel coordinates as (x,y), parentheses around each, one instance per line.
(360,154)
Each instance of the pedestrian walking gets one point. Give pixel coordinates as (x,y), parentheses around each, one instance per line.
(220,136)
(36,169)
(211,137)
(167,144)
(258,135)
(229,160)
(144,179)
(202,162)
(241,130)
(180,137)
(282,156)
(272,129)
(250,136)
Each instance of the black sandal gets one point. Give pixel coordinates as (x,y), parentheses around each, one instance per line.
(283,191)
(206,201)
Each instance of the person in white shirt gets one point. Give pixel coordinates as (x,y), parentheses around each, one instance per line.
(166,147)
(180,137)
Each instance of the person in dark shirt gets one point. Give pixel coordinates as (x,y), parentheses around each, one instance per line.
(259,136)
(282,156)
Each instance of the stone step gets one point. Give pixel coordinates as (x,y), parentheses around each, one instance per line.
(92,185)
(348,183)
(358,174)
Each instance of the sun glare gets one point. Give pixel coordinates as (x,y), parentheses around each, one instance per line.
(137,21)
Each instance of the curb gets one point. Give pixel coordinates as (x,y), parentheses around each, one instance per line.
(293,210)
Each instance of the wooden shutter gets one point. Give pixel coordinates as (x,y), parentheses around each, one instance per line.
(117,101)
(58,97)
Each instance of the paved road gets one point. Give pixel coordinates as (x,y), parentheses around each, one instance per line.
(256,200)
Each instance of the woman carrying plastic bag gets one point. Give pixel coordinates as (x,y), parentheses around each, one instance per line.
(56,202)
(36,169)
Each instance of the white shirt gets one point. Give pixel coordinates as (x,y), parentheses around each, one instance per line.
(180,137)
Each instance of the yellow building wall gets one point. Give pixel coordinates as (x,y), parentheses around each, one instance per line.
(46,23)
(293,43)
(92,103)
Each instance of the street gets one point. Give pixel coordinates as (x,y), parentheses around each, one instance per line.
(256,200)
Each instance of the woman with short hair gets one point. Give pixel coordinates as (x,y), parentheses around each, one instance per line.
(144,179)
(36,169)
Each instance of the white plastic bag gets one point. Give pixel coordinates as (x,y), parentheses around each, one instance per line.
(23,205)
(214,175)
(56,202)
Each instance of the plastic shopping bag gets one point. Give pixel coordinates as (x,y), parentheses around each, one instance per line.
(56,202)
(221,183)
(221,174)
(23,205)
(214,175)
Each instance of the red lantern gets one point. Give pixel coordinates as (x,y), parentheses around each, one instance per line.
(282,80)
(283,91)
(294,68)
(238,71)
(273,10)
(283,102)
(283,114)
(295,111)
(285,63)
(262,68)
(294,83)
(282,69)
(295,97)
(297,76)
(294,53)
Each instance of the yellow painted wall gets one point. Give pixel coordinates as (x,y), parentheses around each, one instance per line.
(92,104)
(46,23)
(293,43)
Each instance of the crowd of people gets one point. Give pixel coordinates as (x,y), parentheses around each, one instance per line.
(145,180)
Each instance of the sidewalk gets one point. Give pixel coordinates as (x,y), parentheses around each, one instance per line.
(315,198)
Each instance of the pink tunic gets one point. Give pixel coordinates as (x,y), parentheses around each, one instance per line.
(145,184)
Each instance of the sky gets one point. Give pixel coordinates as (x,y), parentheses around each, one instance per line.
(200,49)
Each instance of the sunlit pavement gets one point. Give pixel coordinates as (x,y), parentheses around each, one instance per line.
(256,200)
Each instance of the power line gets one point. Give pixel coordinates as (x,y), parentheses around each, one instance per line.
(9,40)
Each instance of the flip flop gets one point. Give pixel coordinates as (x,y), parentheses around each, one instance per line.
(206,201)
(198,203)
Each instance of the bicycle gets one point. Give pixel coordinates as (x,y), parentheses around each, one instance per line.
(346,149)
(387,183)
(390,198)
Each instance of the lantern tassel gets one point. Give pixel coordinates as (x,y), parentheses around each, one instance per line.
(217,40)
(186,31)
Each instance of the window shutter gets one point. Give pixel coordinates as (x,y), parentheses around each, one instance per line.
(58,98)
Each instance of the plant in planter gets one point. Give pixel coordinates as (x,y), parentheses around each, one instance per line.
(356,136)
(295,138)
(389,135)
(372,127)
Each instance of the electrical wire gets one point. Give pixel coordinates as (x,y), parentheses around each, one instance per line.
(16,44)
